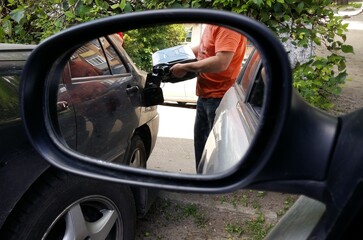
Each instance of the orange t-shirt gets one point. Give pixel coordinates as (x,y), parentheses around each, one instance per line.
(218,39)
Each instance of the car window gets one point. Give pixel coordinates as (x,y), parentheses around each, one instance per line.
(88,61)
(255,97)
(251,84)
(11,66)
(9,99)
(96,58)
(116,64)
(249,72)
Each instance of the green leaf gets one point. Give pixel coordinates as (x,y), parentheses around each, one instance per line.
(341,77)
(311,10)
(258,2)
(58,23)
(347,49)
(128,8)
(18,14)
(123,4)
(264,16)
(69,14)
(308,70)
(300,7)
(287,17)
(176,5)
(105,5)
(280,1)
(114,6)
(83,11)
(317,41)
(7,27)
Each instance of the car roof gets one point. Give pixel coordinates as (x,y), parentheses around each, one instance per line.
(15,52)
(14,46)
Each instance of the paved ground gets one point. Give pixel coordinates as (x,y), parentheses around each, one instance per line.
(175,140)
(352,97)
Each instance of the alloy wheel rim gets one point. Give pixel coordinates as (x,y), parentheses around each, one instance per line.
(91,217)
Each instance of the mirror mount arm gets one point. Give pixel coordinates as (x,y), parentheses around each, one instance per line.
(290,168)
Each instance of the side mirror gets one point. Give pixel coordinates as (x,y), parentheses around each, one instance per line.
(40,88)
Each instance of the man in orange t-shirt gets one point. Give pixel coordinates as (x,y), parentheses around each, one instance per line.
(219,54)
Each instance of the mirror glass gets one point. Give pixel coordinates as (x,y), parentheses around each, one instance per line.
(121,98)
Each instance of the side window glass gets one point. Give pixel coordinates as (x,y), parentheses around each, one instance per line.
(96,58)
(9,90)
(116,64)
(257,91)
(88,61)
(249,72)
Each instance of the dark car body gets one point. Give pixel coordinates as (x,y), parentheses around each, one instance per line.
(106,102)
(21,167)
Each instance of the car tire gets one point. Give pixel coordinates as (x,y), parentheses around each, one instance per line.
(66,206)
(137,153)
(137,157)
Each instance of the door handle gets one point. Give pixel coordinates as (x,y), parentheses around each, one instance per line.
(62,106)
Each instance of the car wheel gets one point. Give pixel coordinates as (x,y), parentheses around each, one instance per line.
(65,206)
(137,157)
(137,153)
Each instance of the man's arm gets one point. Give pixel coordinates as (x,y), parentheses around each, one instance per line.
(195,50)
(217,63)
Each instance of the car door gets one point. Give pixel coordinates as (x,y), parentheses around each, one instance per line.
(174,92)
(104,93)
(230,137)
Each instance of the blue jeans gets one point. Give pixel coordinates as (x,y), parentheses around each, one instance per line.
(205,113)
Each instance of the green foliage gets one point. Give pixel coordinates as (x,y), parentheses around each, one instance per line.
(320,79)
(192,210)
(30,21)
(234,229)
(256,229)
(141,43)
(301,21)
(289,201)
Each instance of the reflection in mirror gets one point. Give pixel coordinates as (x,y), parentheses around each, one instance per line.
(105,111)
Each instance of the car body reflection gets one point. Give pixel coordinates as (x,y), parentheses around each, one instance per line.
(237,119)
(100,114)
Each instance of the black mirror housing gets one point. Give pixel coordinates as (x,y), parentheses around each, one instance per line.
(39,83)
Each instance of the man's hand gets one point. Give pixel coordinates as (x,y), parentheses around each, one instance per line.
(217,63)
(178,70)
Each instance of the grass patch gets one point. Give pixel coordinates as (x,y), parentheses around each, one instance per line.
(248,198)
(234,229)
(258,228)
(192,210)
(255,229)
(289,201)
